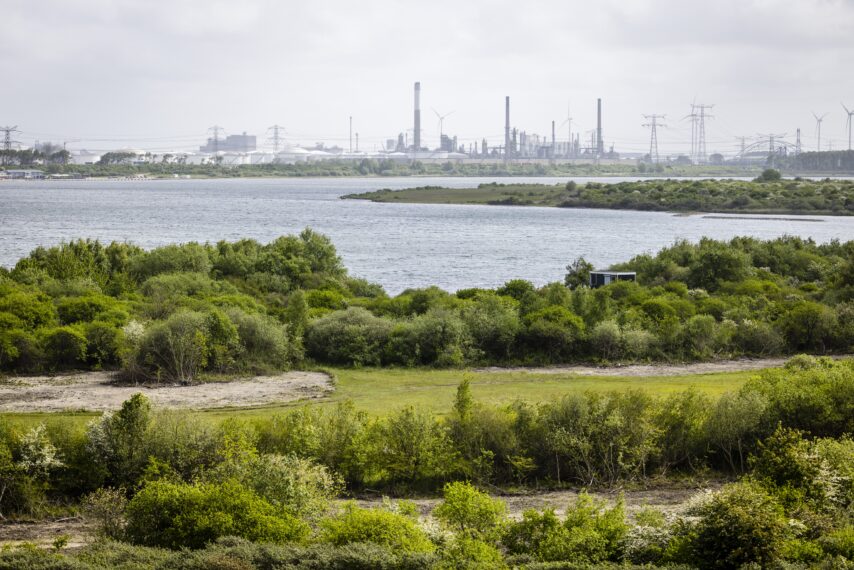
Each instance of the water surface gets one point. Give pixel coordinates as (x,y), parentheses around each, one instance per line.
(396,245)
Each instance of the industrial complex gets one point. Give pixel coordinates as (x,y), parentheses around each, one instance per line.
(518,145)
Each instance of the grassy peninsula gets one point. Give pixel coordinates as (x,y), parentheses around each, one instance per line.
(765,195)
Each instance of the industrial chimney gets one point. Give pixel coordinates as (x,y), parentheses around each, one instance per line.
(600,144)
(416,144)
(506,127)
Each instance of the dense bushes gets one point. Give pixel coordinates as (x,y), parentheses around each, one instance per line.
(177,313)
(177,515)
(273,480)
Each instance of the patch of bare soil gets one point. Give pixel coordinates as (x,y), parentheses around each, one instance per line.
(96,391)
(740,365)
(669,500)
(77,531)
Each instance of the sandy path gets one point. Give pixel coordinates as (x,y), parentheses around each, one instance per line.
(93,391)
(670,500)
(739,365)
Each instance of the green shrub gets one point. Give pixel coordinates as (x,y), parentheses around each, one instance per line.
(540,535)
(469,511)
(189,257)
(464,552)
(352,337)
(103,344)
(839,542)
(596,532)
(394,531)
(180,515)
(118,441)
(82,309)
(553,332)
(296,485)
(176,349)
(64,347)
(741,524)
(411,447)
(263,341)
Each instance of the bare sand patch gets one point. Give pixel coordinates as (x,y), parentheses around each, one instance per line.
(670,499)
(713,367)
(96,391)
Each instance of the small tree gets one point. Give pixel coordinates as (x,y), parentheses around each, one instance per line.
(469,511)
(578,273)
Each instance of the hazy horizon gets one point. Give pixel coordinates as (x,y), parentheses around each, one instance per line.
(156,75)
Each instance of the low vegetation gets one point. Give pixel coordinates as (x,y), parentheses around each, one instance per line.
(768,194)
(168,491)
(181,313)
(174,490)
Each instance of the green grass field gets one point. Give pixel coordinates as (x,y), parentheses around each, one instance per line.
(380,390)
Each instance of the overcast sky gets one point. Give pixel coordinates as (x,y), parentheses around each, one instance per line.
(156,74)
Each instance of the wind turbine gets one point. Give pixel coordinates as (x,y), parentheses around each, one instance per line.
(848,122)
(818,121)
(568,121)
(442,123)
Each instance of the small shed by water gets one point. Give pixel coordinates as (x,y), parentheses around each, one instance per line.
(601,278)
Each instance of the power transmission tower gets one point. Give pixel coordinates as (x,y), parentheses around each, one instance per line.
(818,121)
(743,146)
(7,141)
(798,143)
(216,130)
(772,149)
(693,116)
(276,138)
(848,123)
(698,118)
(653,125)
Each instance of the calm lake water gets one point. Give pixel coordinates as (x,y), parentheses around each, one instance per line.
(396,245)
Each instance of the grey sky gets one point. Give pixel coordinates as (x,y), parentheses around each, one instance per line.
(156,74)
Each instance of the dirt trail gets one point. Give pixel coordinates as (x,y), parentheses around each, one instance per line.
(670,500)
(94,391)
(739,365)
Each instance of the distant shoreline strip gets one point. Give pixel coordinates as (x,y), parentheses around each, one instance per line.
(769,218)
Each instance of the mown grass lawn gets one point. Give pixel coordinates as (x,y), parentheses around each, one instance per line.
(380,390)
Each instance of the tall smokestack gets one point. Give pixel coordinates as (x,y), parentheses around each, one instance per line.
(506,127)
(416,143)
(600,145)
(554,142)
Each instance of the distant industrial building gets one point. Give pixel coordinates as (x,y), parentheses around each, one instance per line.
(25,174)
(231,143)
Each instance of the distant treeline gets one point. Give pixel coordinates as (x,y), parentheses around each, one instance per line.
(120,164)
(823,162)
(769,193)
